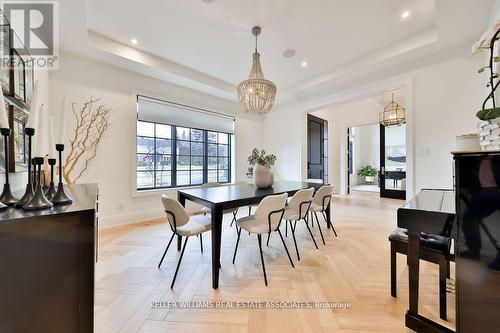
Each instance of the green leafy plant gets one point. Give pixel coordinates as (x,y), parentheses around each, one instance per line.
(261,158)
(367,171)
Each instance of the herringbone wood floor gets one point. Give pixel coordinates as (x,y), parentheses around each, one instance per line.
(353,267)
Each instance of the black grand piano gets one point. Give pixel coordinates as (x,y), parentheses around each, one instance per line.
(474,208)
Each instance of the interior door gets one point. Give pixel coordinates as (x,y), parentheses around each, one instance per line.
(392,174)
(317,145)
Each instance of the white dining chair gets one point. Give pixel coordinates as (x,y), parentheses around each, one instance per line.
(267,218)
(297,210)
(183,225)
(206,210)
(320,203)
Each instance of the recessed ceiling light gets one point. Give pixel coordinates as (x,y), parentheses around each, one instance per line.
(289,53)
(405,14)
(304,63)
(134,41)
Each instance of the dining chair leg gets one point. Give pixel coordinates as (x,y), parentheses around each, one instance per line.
(259,238)
(286,249)
(319,227)
(237,242)
(330,223)
(179,263)
(310,233)
(268,236)
(286,228)
(249,210)
(294,240)
(234,218)
(201,242)
(164,253)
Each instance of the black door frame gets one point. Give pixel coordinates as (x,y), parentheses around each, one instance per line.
(386,193)
(324,146)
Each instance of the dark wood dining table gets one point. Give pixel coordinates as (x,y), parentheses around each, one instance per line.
(233,196)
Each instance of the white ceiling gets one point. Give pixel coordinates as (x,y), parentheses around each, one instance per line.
(208,45)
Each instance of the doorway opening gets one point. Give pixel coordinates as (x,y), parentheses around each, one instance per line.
(363,158)
(317,149)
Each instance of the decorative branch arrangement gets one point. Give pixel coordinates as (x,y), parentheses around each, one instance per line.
(488,42)
(92,123)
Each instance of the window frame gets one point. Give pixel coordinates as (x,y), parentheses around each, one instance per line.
(173,155)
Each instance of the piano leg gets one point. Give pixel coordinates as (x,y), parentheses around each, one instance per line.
(413,270)
(393,270)
(443,271)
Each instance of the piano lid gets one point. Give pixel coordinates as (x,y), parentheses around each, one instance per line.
(433,201)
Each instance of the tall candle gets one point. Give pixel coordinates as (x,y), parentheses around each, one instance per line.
(4,118)
(52,145)
(62,122)
(33,108)
(40,134)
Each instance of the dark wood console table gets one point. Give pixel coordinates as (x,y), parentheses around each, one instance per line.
(47,266)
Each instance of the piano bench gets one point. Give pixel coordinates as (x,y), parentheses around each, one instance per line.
(434,249)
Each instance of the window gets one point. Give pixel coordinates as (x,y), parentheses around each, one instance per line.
(170,156)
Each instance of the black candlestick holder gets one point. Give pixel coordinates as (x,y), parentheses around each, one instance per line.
(29,193)
(51,191)
(61,197)
(7,198)
(39,200)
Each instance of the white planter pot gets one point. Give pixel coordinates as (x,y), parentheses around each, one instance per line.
(370,179)
(489,134)
(262,176)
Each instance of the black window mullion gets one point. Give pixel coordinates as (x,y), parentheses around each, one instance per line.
(154,156)
(174,155)
(205,159)
(229,158)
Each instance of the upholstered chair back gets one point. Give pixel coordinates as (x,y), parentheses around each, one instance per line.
(173,208)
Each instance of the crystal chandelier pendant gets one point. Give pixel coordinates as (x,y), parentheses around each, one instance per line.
(256,94)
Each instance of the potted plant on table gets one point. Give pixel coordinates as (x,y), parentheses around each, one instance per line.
(489,125)
(369,173)
(259,165)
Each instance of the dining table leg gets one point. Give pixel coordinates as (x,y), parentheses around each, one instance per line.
(216,244)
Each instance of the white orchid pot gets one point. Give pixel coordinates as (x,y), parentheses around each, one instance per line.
(262,176)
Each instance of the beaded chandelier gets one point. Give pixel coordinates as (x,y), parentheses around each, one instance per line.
(256,94)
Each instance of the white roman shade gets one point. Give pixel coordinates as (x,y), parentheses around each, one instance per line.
(170,113)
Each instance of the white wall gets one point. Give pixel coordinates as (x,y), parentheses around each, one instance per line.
(366,150)
(441,102)
(113,168)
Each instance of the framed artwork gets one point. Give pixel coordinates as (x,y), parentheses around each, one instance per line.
(4,57)
(19,79)
(29,80)
(18,140)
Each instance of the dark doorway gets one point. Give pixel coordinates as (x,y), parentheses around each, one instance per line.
(393,162)
(317,149)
